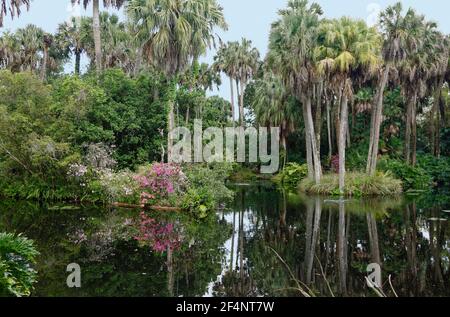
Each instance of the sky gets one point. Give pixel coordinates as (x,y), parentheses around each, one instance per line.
(246,18)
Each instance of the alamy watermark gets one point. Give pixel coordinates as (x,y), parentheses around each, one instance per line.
(227,145)
(74,278)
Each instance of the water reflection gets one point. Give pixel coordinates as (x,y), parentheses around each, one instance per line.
(268,243)
(323,246)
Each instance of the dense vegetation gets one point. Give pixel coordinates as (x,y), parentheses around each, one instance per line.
(362,110)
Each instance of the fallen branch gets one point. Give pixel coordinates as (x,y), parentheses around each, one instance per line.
(142,206)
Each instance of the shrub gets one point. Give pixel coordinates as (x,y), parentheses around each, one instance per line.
(437,168)
(17,253)
(292,174)
(356,184)
(199,202)
(413,178)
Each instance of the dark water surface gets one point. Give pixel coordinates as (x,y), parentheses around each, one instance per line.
(268,242)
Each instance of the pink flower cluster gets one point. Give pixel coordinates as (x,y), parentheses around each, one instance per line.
(160,236)
(161,181)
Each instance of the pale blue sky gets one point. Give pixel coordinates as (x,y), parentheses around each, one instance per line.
(247,18)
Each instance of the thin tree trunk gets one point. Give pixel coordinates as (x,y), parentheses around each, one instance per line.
(241,104)
(330,142)
(97,34)
(309,157)
(233,110)
(44,63)
(414,133)
(137,66)
(377,114)
(408,122)
(373,238)
(77,62)
(342,139)
(314,148)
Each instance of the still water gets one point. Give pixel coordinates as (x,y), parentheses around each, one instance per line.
(268,242)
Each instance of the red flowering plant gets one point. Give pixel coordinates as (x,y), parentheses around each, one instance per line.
(159,235)
(161,182)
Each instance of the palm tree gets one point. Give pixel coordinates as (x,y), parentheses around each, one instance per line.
(13,7)
(273,106)
(398,42)
(293,40)
(225,61)
(31,41)
(73,38)
(96,24)
(175,34)
(10,52)
(47,40)
(247,63)
(348,47)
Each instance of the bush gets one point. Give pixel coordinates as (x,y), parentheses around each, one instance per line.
(413,178)
(292,174)
(17,253)
(356,184)
(199,202)
(437,168)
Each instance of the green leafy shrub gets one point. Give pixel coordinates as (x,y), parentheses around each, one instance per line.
(356,184)
(199,202)
(292,174)
(17,253)
(437,168)
(413,178)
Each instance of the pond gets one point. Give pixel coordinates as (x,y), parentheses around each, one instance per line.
(268,242)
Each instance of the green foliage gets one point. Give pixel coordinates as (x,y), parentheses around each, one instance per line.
(437,168)
(199,202)
(356,184)
(17,253)
(292,174)
(206,188)
(413,178)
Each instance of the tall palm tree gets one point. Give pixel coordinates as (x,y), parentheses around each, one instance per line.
(293,40)
(225,61)
(73,38)
(348,47)
(273,106)
(399,41)
(13,7)
(96,23)
(175,33)
(247,62)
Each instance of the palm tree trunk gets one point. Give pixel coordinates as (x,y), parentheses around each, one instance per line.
(97,34)
(342,140)
(408,122)
(330,142)
(171,96)
(233,110)
(44,63)
(309,158)
(77,62)
(241,104)
(377,113)
(414,133)
(312,137)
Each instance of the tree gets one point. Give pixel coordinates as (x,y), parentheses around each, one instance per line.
(96,24)
(225,61)
(13,7)
(398,42)
(176,33)
(349,49)
(247,64)
(293,40)
(73,38)
(273,106)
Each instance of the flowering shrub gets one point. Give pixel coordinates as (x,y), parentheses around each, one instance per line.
(160,236)
(160,181)
(335,163)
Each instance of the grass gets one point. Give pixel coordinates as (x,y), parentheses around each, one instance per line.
(356,184)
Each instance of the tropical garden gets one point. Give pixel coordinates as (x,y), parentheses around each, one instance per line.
(85,175)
